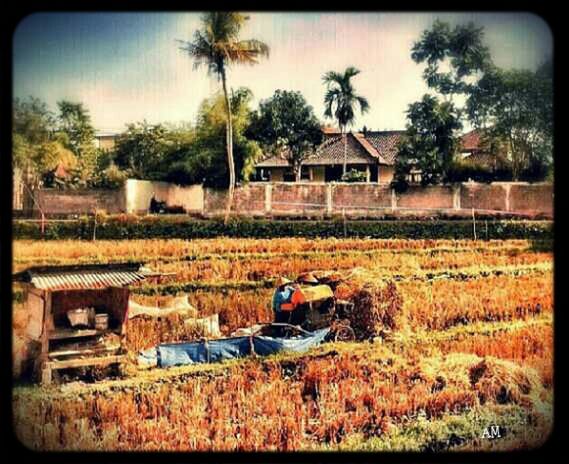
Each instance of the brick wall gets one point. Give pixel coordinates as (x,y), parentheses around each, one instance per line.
(484,196)
(304,199)
(359,199)
(311,198)
(532,198)
(426,197)
(62,202)
(351,197)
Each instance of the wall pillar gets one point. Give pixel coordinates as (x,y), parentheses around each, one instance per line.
(329,205)
(393,200)
(368,173)
(268,198)
(456,196)
(508,186)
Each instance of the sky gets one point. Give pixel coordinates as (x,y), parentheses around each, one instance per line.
(127,67)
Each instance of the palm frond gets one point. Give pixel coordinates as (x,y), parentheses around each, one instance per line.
(364,104)
(350,72)
(332,77)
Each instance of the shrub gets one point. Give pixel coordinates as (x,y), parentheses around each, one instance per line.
(184,227)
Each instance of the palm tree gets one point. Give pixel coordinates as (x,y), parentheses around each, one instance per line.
(217,46)
(340,101)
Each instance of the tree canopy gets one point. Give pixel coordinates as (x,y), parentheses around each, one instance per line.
(201,159)
(287,125)
(452,55)
(430,141)
(36,148)
(141,150)
(516,107)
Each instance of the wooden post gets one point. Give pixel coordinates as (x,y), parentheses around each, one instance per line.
(44,370)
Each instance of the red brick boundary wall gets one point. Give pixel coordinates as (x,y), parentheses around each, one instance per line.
(308,199)
(67,202)
(364,199)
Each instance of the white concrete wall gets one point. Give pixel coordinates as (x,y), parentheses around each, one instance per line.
(191,197)
(138,194)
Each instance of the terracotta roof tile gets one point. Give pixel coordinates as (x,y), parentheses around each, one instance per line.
(385,142)
(471,140)
(373,148)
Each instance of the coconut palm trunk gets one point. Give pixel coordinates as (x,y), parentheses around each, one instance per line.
(345,138)
(229,141)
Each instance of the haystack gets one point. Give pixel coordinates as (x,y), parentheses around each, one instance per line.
(378,305)
(377,309)
(494,380)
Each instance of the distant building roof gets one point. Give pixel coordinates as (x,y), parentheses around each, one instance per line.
(371,148)
(471,140)
(105,133)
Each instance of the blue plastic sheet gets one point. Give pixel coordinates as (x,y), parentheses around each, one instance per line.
(179,354)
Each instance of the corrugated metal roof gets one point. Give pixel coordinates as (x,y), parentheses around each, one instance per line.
(82,277)
(85,280)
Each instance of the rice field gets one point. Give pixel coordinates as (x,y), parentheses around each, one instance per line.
(473,347)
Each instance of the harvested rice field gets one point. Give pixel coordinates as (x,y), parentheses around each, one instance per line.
(454,342)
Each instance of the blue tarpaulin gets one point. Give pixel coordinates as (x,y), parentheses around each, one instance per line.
(178,354)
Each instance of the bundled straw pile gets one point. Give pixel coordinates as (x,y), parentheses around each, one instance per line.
(377,306)
(377,303)
(494,380)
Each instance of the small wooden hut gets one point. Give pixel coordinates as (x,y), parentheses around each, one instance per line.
(51,292)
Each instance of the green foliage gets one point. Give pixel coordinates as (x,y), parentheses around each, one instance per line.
(430,141)
(516,106)
(353,175)
(77,134)
(141,150)
(216,45)
(286,124)
(110,178)
(131,227)
(201,158)
(341,99)
(464,170)
(461,50)
(35,147)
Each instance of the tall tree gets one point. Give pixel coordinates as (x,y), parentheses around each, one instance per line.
(78,135)
(141,149)
(216,45)
(430,141)
(285,123)
(202,158)
(454,57)
(36,149)
(340,101)
(516,106)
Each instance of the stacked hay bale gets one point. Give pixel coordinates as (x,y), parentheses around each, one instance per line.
(378,305)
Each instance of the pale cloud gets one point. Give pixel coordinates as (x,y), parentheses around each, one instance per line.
(141,73)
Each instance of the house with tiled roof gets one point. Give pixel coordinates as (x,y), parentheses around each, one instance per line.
(475,151)
(372,153)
